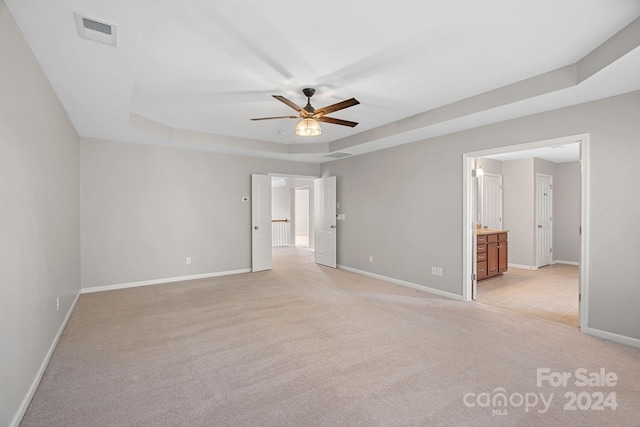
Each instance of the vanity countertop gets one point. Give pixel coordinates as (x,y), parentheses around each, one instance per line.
(487,231)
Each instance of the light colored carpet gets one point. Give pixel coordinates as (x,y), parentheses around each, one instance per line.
(550,292)
(305,345)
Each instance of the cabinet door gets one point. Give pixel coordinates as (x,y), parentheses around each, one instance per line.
(492,258)
(503,256)
(482,270)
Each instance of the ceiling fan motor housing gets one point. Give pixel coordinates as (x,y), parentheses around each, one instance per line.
(308,92)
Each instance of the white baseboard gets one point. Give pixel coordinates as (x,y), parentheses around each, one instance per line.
(22,409)
(525,267)
(90,289)
(559,261)
(635,342)
(403,283)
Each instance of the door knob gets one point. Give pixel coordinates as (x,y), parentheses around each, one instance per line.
(333,226)
(255,227)
(539,226)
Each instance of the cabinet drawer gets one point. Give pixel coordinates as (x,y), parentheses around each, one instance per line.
(481,269)
(492,238)
(502,237)
(481,239)
(481,256)
(482,248)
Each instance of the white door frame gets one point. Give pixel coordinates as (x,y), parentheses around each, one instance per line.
(468,224)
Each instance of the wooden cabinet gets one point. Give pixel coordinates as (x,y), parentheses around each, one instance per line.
(492,254)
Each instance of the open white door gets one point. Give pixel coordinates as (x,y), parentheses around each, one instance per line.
(260,222)
(544,218)
(324,207)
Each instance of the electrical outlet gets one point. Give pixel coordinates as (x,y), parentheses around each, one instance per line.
(370,258)
(439,271)
(434,271)
(58,304)
(188,260)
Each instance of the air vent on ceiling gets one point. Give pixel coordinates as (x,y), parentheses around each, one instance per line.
(96,30)
(338,155)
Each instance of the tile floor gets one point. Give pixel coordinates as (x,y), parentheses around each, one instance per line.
(550,292)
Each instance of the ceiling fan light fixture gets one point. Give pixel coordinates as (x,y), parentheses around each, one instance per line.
(308,127)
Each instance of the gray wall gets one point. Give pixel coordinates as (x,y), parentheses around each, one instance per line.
(145,209)
(518,205)
(490,165)
(39,217)
(566,212)
(302,208)
(281,202)
(410,217)
(519,208)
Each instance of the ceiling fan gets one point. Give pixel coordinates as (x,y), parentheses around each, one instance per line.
(310,117)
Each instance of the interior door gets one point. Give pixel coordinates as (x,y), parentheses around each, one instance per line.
(492,201)
(544,219)
(260,222)
(325,220)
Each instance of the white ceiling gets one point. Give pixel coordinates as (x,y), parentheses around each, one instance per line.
(193,73)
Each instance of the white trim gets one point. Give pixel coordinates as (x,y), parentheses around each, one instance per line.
(469,226)
(403,283)
(524,267)
(560,261)
(584,241)
(623,339)
(24,405)
(91,289)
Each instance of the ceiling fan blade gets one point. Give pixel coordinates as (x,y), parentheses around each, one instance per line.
(289,103)
(339,106)
(279,117)
(336,121)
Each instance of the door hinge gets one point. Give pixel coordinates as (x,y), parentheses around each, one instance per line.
(579,297)
(580,230)
(473,276)
(550,250)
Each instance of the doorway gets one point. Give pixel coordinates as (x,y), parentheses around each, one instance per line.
(579,269)
(321,212)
